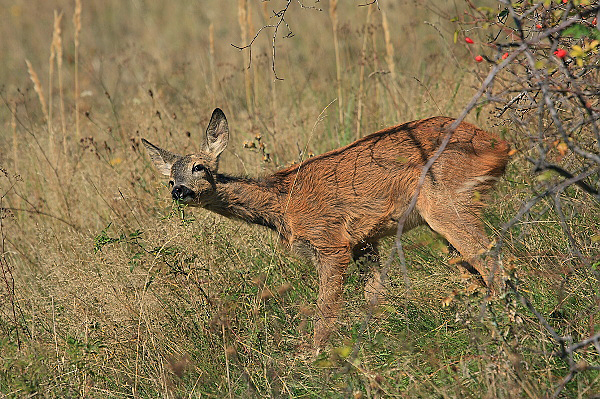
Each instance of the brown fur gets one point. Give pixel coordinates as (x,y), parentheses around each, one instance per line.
(334,208)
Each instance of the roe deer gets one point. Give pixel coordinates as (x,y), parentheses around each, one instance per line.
(335,207)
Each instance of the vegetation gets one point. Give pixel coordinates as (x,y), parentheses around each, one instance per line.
(110,290)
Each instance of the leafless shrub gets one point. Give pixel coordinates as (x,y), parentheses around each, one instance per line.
(546,91)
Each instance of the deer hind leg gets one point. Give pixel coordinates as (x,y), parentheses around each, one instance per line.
(458,219)
(366,257)
(331,267)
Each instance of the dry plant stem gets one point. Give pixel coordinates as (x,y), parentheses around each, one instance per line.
(39,146)
(226,361)
(57,44)
(63,121)
(392,93)
(255,72)
(447,47)
(429,94)
(389,47)
(361,79)
(357,344)
(115,114)
(77,25)
(573,247)
(389,59)
(107,203)
(54,329)
(567,378)
(338,66)
(37,86)
(555,191)
(211,58)
(274,106)
(265,13)
(51,149)
(131,211)
(317,121)
(7,275)
(15,142)
(243,22)
(140,315)
(377,83)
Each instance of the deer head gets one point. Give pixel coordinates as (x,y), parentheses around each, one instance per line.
(192,177)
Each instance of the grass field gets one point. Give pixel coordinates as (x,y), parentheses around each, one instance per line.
(109,290)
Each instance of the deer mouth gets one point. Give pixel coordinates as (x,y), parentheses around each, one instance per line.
(183,194)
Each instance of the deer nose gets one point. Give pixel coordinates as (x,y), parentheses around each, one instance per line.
(180,192)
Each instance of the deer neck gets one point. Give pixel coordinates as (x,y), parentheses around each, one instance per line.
(251,200)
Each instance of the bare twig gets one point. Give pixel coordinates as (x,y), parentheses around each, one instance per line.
(369,3)
(7,275)
(280,15)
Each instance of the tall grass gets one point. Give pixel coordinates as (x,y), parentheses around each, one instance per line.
(120,293)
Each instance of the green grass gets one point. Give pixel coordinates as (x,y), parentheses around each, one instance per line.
(118,293)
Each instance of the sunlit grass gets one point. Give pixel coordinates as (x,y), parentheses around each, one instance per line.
(119,293)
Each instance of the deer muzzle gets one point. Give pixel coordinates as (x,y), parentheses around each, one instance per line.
(182,193)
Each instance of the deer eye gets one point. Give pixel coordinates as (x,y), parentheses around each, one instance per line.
(198,168)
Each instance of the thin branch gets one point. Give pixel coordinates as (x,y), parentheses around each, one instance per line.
(543,166)
(41,213)
(563,383)
(582,344)
(281,19)
(523,299)
(369,3)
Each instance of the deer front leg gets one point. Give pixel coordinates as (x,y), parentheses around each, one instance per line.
(331,267)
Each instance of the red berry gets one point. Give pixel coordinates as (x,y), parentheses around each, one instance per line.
(538,26)
(594,21)
(504,56)
(469,40)
(560,53)
(479,58)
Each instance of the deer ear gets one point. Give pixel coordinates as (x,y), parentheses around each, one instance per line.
(163,159)
(217,133)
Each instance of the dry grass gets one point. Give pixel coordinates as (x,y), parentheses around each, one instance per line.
(119,294)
